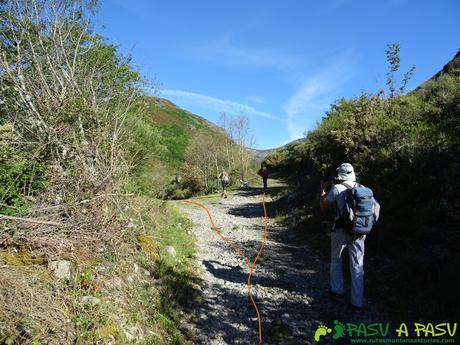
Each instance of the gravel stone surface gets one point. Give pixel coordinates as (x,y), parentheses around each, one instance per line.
(289,283)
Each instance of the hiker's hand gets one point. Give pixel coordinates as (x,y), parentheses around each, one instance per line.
(323,185)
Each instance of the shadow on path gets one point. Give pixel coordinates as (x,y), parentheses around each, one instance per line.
(289,283)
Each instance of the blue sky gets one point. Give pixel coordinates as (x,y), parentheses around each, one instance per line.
(281,63)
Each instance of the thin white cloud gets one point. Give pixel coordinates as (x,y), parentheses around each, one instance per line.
(305,107)
(226,53)
(215,104)
(255,99)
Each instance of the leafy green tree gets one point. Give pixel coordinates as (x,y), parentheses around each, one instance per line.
(66,90)
(394,62)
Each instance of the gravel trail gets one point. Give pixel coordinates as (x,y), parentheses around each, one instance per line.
(289,283)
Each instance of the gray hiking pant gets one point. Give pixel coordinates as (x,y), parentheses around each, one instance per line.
(339,240)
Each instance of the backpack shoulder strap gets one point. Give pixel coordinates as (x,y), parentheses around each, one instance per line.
(350,190)
(348,186)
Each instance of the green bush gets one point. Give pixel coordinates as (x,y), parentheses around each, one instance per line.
(191,179)
(20,176)
(144,140)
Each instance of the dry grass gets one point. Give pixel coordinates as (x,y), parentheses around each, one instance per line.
(116,258)
(33,306)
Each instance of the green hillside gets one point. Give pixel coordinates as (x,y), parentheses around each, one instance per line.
(170,141)
(176,125)
(163,132)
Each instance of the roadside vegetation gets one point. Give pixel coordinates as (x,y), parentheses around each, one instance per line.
(87,253)
(405,146)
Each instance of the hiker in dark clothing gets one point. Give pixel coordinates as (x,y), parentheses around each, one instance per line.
(263,171)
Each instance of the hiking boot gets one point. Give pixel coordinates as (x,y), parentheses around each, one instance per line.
(338,297)
(354,308)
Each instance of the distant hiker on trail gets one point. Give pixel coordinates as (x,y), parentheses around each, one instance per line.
(178,177)
(263,171)
(244,183)
(225,181)
(356,213)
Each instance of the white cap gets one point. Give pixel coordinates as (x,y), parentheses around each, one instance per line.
(345,172)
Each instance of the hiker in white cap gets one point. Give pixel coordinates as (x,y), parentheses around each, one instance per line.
(341,237)
(224,178)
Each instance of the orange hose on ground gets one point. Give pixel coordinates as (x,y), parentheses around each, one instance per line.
(238,250)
